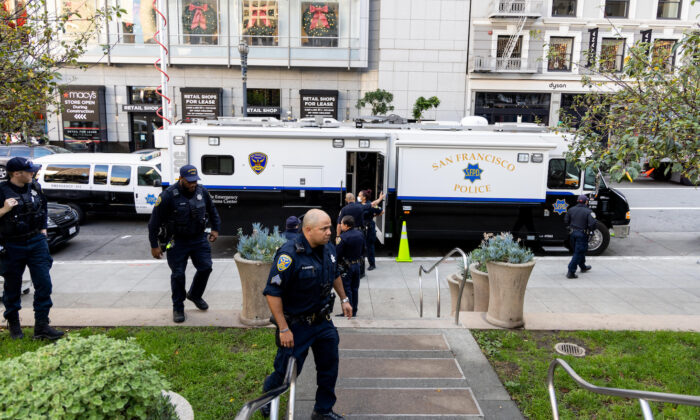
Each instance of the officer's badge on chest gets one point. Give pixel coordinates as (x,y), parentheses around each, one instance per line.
(283,262)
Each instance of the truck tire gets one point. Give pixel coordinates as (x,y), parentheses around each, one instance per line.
(78,211)
(599,241)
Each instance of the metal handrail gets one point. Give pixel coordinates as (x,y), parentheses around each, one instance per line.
(273,396)
(643,396)
(422,270)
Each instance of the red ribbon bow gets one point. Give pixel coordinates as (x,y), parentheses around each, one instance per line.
(319,18)
(199,20)
(258,14)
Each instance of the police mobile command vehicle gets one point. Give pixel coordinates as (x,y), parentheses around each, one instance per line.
(455,180)
(102,182)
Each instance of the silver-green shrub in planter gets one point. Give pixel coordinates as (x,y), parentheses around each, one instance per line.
(254,260)
(84,378)
(509,265)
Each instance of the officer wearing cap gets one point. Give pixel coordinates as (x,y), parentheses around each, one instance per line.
(184,210)
(292,228)
(299,294)
(23,220)
(580,221)
(356,210)
(350,248)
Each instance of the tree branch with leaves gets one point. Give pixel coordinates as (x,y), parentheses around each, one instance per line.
(379,100)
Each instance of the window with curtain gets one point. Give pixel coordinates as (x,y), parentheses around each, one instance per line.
(566,8)
(669,9)
(662,54)
(617,8)
(138,24)
(260,22)
(319,24)
(612,54)
(200,21)
(560,54)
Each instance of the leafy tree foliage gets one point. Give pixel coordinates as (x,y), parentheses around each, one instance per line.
(34,47)
(423,105)
(648,112)
(380,101)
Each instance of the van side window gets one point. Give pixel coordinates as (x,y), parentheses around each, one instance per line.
(217,165)
(147,176)
(121,175)
(563,175)
(67,174)
(589,179)
(100,175)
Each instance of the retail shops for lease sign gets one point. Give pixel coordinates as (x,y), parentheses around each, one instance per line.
(319,102)
(83,113)
(203,103)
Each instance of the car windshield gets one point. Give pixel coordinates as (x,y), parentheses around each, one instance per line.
(20,151)
(42,151)
(56,149)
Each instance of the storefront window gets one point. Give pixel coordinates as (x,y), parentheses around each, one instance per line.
(138,24)
(564,8)
(662,54)
(319,24)
(561,50)
(669,9)
(264,103)
(200,21)
(612,54)
(511,107)
(81,15)
(260,22)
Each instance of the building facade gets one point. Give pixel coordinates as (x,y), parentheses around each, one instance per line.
(491,58)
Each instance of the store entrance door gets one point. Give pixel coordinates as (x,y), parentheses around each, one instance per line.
(143,125)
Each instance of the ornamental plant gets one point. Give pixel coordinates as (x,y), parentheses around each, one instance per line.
(261,245)
(423,105)
(84,378)
(380,101)
(461,267)
(502,248)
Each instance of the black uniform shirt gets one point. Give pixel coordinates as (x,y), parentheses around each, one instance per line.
(370,213)
(165,206)
(356,210)
(24,194)
(351,244)
(298,274)
(580,217)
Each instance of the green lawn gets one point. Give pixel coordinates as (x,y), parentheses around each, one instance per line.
(652,361)
(216,369)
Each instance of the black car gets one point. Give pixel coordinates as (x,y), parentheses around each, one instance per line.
(28,151)
(62,225)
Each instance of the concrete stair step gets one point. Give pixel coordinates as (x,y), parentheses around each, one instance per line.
(413,368)
(392,342)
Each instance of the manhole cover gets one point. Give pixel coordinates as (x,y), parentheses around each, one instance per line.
(570,349)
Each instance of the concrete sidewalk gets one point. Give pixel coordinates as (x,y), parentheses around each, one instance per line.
(618,293)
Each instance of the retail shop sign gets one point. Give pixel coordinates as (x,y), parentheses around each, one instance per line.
(83,112)
(319,103)
(556,86)
(140,108)
(201,103)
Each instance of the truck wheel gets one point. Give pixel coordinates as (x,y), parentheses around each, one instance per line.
(78,211)
(600,239)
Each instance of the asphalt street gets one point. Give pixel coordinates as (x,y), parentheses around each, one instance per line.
(665,222)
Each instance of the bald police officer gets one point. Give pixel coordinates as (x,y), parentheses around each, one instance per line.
(183,208)
(581,222)
(299,294)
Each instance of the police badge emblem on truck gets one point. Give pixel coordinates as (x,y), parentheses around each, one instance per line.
(258,162)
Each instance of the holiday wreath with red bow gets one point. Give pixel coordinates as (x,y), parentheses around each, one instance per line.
(320,19)
(199,18)
(260,18)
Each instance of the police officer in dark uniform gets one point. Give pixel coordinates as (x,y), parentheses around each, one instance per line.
(349,252)
(291,227)
(23,223)
(370,228)
(183,209)
(356,210)
(581,222)
(299,294)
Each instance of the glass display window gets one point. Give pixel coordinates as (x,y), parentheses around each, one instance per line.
(200,21)
(319,24)
(561,50)
(261,22)
(138,24)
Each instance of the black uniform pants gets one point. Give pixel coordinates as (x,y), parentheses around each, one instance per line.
(183,249)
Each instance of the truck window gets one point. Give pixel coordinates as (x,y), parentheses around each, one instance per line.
(589,179)
(100,175)
(121,175)
(147,175)
(217,165)
(563,175)
(67,174)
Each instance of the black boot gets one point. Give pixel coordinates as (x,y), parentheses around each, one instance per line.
(178,315)
(200,303)
(15,328)
(42,329)
(585,268)
(326,416)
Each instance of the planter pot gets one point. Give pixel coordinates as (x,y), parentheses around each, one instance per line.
(183,409)
(467,303)
(255,311)
(481,289)
(507,293)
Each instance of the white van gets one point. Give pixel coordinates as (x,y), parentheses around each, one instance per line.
(102,182)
